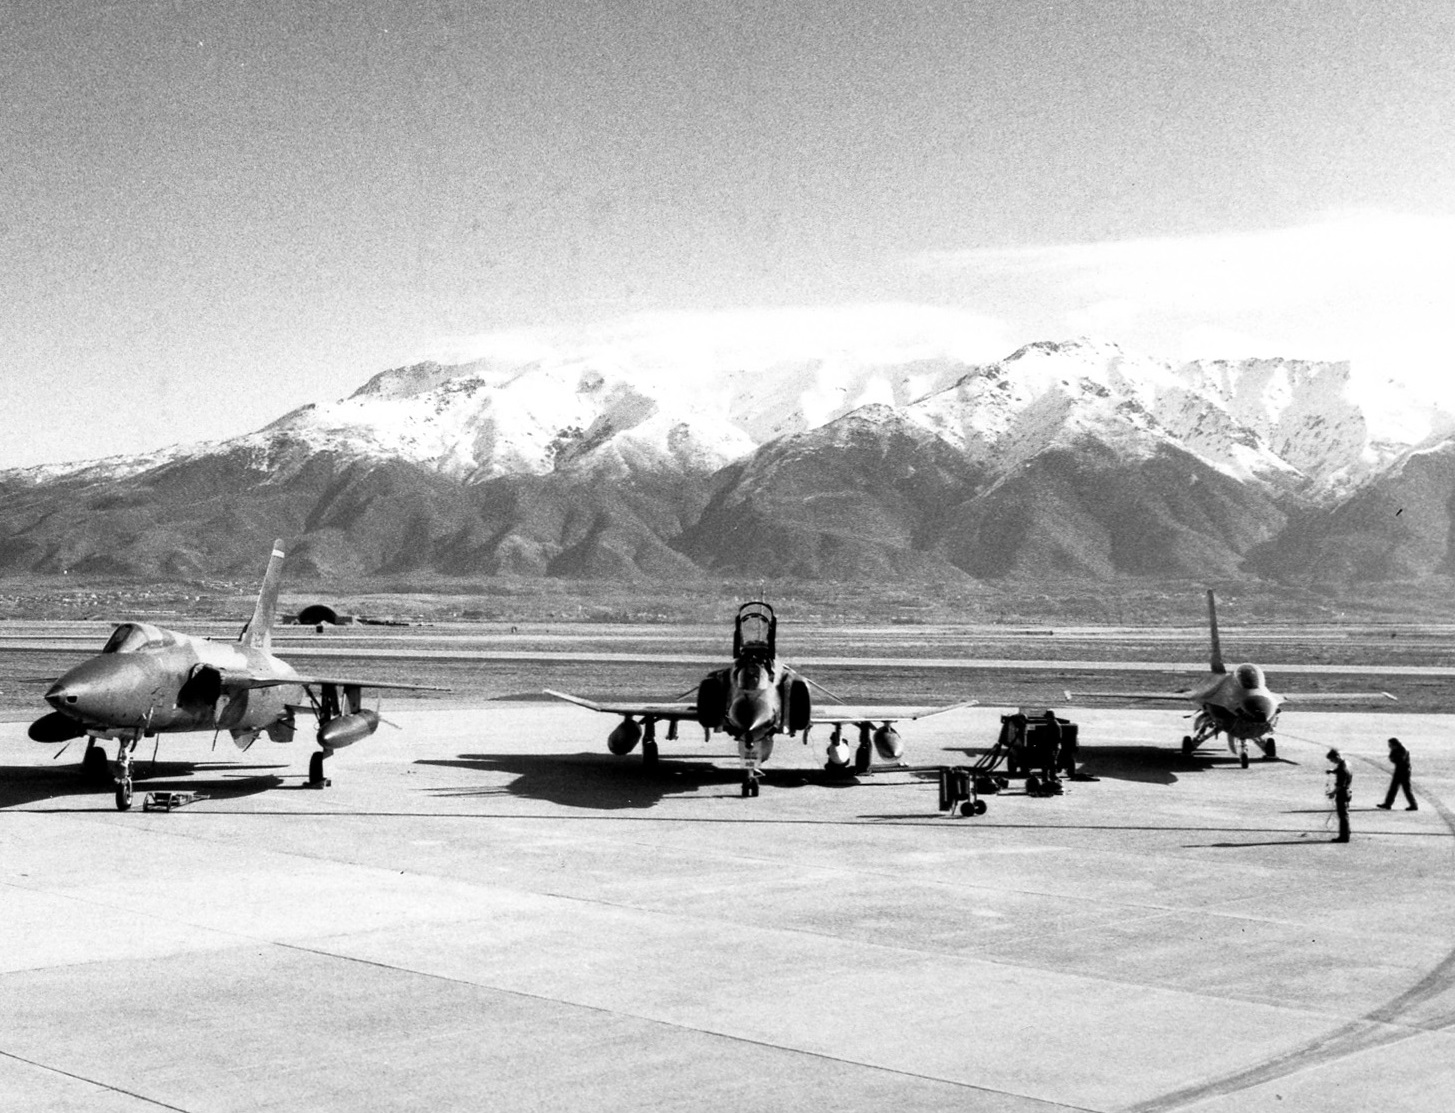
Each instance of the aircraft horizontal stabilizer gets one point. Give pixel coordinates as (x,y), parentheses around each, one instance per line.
(1338,697)
(1171,697)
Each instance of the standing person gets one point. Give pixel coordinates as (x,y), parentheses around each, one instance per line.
(1052,737)
(1400,757)
(1340,793)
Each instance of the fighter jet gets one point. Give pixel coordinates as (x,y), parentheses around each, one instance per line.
(753,700)
(148,681)
(1236,704)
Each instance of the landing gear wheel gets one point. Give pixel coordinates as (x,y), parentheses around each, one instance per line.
(649,754)
(750,786)
(1033,785)
(863,759)
(123,794)
(316,779)
(1188,745)
(1243,757)
(94,766)
(972,808)
(1270,751)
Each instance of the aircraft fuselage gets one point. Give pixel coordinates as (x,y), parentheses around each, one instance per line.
(175,682)
(1237,704)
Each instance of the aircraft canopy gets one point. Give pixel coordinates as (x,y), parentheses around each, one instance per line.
(131,636)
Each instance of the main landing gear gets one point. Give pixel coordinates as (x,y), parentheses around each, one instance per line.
(316,779)
(650,754)
(751,777)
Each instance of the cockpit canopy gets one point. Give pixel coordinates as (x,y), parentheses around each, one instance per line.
(132,636)
(755,632)
(1249,676)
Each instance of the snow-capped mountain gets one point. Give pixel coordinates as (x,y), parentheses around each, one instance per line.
(851,455)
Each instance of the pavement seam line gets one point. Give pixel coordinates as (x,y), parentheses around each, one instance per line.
(658,1021)
(92,1082)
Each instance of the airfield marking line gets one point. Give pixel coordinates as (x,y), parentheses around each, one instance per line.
(680,1026)
(93,1082)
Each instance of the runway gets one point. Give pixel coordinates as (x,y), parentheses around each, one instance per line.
(487,910)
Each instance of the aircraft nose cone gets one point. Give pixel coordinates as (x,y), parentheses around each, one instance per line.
(100,690)
(59,695)
(1260,709)
(750,712)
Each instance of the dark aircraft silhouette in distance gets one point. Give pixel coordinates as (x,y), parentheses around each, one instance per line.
(148,681)
(1237,704)
(753,700)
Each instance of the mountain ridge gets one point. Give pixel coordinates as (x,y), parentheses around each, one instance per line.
(1065,457)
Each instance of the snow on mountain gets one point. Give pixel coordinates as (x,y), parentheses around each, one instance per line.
(688,394)
(1280,423)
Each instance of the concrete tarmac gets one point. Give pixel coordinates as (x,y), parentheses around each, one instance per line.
(488,911)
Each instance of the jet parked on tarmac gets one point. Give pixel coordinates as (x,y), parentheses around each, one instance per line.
(1236,704)
(148,681)
(753,700)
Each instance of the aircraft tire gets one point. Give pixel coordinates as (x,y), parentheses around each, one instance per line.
(315,768)
(649,754)
(1243,759)
(1033,785)
(1271,753)
(123,794)
(1188,745)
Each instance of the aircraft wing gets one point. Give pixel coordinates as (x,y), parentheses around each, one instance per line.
(658,710)
(255,680)
(887,714)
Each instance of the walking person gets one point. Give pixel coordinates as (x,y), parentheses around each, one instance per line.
(1400,758)
(1340,793)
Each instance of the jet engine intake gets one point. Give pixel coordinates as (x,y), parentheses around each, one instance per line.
(623,740)
(799,702)
(712,703)
(348,729)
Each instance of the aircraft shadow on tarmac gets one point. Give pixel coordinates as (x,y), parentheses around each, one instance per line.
(21,785)
(1156,765)
(604,782)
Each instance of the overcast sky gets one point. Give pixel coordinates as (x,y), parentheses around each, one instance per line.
(214,211)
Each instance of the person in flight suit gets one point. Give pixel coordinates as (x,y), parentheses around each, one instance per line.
(1400,757)
(1340,793)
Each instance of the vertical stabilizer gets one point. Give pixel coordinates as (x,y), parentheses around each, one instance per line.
(1212,622)
(259,630)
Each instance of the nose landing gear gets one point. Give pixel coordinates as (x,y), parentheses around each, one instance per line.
(123,777)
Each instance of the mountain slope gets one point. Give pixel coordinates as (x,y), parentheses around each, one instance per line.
(844,458)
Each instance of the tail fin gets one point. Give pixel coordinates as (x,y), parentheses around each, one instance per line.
(1212,621)
(259,630)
